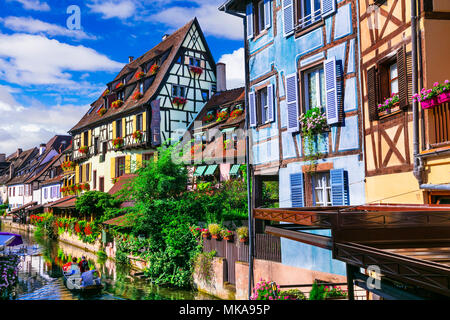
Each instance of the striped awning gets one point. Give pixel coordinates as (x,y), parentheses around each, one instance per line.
(199,171)
(211,169)
(235,169)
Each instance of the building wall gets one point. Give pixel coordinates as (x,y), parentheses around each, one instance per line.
(46,193)
(16,199)
(273,57)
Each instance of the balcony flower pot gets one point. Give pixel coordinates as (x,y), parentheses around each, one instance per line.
(137,95)
(137,135)
(118,142)
(119,85)
(196,70)
(443,97)
(117,104)
(236,113)
(179,101)
(222,116)
(429,103)
(84,150)
(139,75)
(101,111)
(105,93)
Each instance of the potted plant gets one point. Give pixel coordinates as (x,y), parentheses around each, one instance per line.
(428,98)
(117,142)
(242,233)
(313,123)
(84,149)
(137,135)
(179,101)
(139,75)
(154,69)
(222,115)
(227,234)
(196,70)
(137,95)
(389,105)
(214,229)
(117,104)
(206,234)
(236,113)
(444,95)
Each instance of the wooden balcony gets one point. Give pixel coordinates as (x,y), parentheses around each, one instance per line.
(439,126)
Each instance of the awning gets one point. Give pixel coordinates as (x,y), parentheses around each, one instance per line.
(235,169)
(228,130)
(199,171)
(23,207)
(211,169)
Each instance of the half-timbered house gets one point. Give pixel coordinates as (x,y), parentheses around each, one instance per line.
(302,58)
(405,154)
(151,101)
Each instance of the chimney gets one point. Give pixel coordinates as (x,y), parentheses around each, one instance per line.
(11,171)
(164,37)
(221,77)
(19,151)
(41,148)
(130,59)
(2,157)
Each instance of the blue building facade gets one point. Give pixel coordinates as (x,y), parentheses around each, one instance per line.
(302,56)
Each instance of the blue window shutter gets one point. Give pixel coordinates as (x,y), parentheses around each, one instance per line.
(288,17)
(339,187)
(292,103)
(252,109)
(267,14)
(332,109)
(297,192)
(249,21)
(270,104)
(328,7)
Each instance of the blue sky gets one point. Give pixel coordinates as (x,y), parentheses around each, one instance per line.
(49,74)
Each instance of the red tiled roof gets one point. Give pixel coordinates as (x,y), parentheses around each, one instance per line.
(172,43)
(121,182)
(58,202)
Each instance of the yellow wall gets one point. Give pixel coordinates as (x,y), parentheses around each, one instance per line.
(393,188)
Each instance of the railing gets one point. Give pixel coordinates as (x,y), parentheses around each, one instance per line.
(439,130)
(359,293)
(267,247)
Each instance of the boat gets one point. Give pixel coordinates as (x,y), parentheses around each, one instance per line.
(73,282)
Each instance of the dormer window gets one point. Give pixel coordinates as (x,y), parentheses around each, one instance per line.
(178,91)
(195,62)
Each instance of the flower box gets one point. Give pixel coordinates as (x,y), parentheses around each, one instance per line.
(137,95)
(208,118)
(119,85)
(236,113)
(117,104)
(443,97)
(139,75)
(222,116)
(429,103)
(196,70)
(105,93)
(84,149)
(154,69)
(137,135)
(117,142)
(101,111)
(179,101)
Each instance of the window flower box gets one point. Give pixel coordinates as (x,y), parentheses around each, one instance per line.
(444,95)
(137,95)
(390,105)
(196,70)
(236,113)
(101,111)
(117,142)
(137,135)
(84,150)
(139,75)
(430,98)
(208,118)
(222,115)
(179,101)
(119,85)
(117,104)
(105,92)
(154,69)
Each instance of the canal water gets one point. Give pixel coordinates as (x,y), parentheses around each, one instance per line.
(40,276)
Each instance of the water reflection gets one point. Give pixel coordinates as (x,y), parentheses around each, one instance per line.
(40,275)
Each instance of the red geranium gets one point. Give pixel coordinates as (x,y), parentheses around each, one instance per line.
(196,70)
(139,75)
(137,95)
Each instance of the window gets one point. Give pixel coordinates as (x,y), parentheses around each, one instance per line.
(86,138)
(313,88)
(101,184)
(178,91)
(194,62)
(260,16)
(120,95)
(45,193)
(128,126)
(141,87)
(118,128)
(94,179)
(146,157)
(120,166)
(322,189)
(309,11)
(393,78)
(263,105)
(139,120)
(205,95)
(87,171)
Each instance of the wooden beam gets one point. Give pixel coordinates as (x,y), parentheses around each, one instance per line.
(308,238)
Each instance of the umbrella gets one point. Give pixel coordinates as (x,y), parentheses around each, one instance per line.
(10,239)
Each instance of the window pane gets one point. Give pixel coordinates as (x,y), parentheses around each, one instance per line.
(394,86)
(322,87)
(393,71)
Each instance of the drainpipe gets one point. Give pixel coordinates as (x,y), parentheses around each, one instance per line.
(247,151)
(418,163)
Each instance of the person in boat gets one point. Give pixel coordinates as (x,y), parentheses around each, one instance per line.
(84,266)
(90,278)
(74,269)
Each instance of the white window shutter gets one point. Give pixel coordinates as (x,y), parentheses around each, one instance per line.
(328,7)
(332,109)
(292,103)
(288,17)
(267,14)
(252,109)
(250,27)
(270,104)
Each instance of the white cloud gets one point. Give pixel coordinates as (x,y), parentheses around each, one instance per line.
(35,5)
(34,26)
(235,68)
(32,59)
(26,127)
(212,21)
(121,9)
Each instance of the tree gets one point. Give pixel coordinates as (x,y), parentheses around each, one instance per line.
(101,205)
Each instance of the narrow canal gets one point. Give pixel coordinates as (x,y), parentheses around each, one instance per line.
(40,276)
